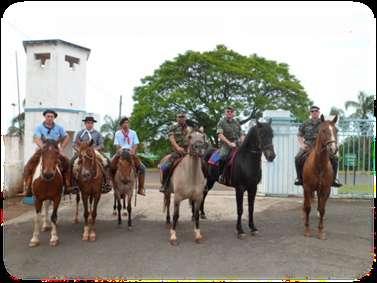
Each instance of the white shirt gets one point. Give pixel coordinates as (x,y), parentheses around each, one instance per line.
(126,140)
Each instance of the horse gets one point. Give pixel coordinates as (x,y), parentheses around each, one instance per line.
(318,173)
(245,172)
(47,186)
(89,180)
(124,182)
(187,182)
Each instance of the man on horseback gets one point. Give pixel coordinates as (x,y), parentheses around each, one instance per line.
(307,134)
(48,130)
(88,134)
(230,135)
(177,137)
(125,138)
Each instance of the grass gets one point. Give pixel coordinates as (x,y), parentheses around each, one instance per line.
(356,189)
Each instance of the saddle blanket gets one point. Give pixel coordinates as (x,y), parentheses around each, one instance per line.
(215,158)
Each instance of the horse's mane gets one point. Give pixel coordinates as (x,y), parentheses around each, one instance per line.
(251,134)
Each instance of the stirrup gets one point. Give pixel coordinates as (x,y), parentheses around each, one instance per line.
(105,188)
(298,182)
(336,184)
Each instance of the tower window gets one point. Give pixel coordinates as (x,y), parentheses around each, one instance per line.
(43,57)
(72,60)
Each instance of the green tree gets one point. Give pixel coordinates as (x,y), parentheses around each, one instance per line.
(364,107)
(202,84)
(108,130)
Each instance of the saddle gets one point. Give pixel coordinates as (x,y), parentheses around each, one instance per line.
(214,160)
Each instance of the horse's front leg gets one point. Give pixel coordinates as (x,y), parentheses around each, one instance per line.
(115,203)
(129,209)
(54,240)
(34,241)
(198,235)
(46,222)
(322,199)
(92,234)
(173,235)
(76,217)
(306,209)
(239,197)
(125,208)
(85,236)
(251,192)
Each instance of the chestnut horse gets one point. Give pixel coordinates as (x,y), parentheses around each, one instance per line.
(124,182)
(47,186)
(187,182)
(90,180)
(318,174)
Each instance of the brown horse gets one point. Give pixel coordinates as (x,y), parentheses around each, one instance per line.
(90,180)
(47,186)
(124,182)
(318,174)
(187,182)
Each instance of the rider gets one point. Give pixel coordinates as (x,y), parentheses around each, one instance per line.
(88,134)
(229,133)
(48,129)
(125,138)
(307,134)
(177,137)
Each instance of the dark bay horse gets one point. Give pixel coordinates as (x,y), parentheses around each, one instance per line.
(318,173)
(47,186)
(90,180)
(124,183)
(187,182)
(246,172)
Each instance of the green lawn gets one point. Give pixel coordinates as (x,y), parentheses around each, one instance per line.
(354,189)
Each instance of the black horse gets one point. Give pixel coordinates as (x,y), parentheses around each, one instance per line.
(246,172)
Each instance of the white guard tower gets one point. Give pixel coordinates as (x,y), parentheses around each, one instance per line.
(55,79)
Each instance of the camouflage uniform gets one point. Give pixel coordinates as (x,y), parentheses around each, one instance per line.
(232,131)
(309,131)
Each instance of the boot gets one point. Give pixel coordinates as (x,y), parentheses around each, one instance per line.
(164,181)
(298,181)
(141,179)
(334,163)
(221,172)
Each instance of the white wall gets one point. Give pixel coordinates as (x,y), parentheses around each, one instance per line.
(13,165)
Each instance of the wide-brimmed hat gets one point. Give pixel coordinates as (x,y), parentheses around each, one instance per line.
(89,118)
(313,108)
(50,111)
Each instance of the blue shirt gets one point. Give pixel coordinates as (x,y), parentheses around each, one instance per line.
(124,142)
(56,133)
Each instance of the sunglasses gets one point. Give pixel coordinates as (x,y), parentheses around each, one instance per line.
(229,111)
(313,111)
(181,116)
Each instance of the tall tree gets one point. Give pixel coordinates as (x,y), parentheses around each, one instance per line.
(363,107)
(202,84)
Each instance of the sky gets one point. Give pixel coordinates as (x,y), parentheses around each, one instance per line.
(330,47)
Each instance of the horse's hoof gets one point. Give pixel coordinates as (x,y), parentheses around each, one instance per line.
(54,243)
(85,238)
(124,213)
(75,221)
(322,236)
(241,236)
(33,244)
(174,243)
(92,238)
(307,234)
(199,240)
(254,232)
(114,213)
(203,216)
(167,225)
(129,228)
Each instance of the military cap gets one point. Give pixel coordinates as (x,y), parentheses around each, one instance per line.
(90,118)
(50,111)
(313,108)
(229,107)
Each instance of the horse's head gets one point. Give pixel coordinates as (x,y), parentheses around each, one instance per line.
(265,135)
(328,135)
(87,160)
(197,142)
(125,167)
(50,159)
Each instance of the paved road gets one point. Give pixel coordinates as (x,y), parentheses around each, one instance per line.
(279,250)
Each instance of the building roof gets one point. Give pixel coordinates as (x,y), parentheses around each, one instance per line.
(54,42)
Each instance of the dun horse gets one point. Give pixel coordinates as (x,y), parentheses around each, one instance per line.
(187,182)
(124,182)
(47,186)
(90,180)
(245,172)
(318,174)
